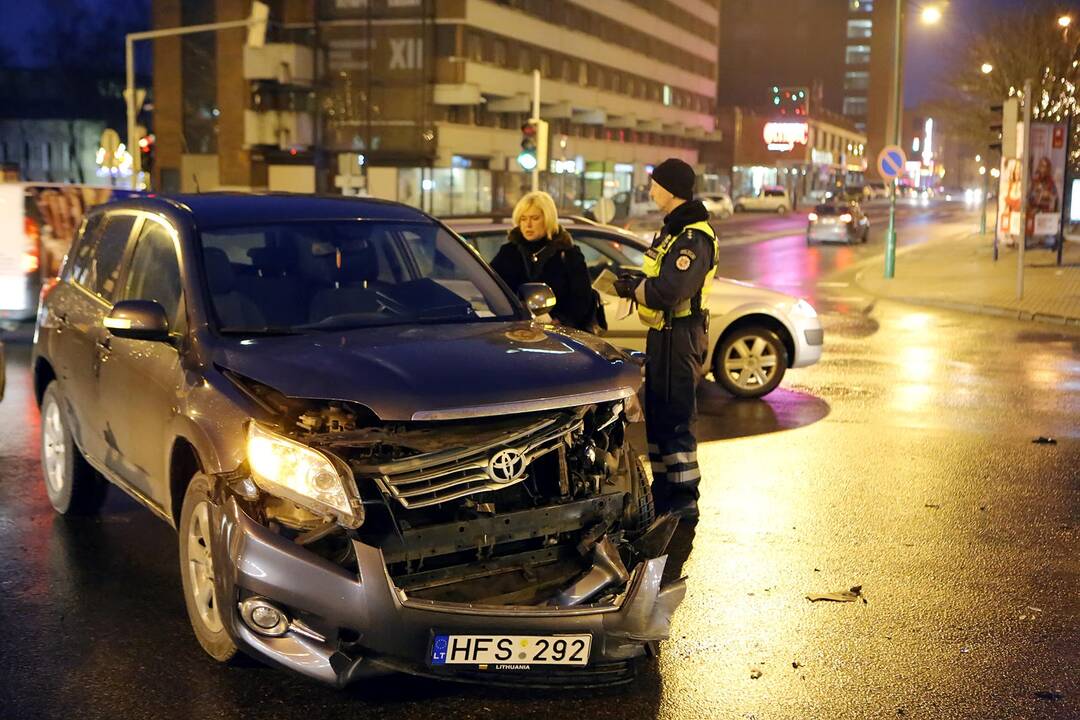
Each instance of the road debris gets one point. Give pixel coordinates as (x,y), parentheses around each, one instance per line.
(1043,440)
(1050,695)
(932,506)
(755,674)
(855,593)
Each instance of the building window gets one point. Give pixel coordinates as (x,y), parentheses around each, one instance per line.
(667,95)
(861,6)
(583,73)
(856,80)
(859,29)
(855,106)
(860,126)
(475,49)
(858,54)
(500,53)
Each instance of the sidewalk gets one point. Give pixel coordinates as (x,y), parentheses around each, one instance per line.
(960,274)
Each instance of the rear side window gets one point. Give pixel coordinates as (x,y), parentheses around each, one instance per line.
(155,271)
(774,193)
(79,263)
(97,264)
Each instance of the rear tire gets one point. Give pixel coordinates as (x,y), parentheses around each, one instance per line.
(740,208)
(72,485)
(781,210)
(205,609)
(750,362)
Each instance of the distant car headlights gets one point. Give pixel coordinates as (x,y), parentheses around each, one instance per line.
(845,218)
(291,470)
(812,217)
(804,309)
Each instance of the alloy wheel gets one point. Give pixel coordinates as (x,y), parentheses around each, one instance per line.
(201,567)
(750,362)
(55,448)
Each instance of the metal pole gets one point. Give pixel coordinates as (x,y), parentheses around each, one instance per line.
(985,190)
(898,53)
(129,99)
(536,116)
(1025,178)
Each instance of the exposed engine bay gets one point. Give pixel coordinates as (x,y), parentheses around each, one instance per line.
(539,509)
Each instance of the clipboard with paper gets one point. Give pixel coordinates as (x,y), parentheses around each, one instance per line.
(605,285)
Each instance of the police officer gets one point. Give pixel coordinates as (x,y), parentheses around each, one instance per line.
(670,298)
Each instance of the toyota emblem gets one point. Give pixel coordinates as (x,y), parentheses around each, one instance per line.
(506,466)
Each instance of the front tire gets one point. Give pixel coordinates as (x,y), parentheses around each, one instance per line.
(205,610)
(73,486)
(740,208)
(781,210)
(640,509)
(750,362)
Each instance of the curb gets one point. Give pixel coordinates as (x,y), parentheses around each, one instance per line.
(992,310)
(973,308)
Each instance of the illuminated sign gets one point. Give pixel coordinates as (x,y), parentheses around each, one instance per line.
(783,136)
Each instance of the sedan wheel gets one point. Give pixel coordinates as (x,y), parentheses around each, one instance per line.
(750,362)
(206,610)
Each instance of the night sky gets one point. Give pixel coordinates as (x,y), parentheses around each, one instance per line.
(926,62)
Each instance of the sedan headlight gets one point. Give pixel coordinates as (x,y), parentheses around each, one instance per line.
(804,309)
(291,470)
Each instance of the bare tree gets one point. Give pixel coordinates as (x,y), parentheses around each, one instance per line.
(1025,43)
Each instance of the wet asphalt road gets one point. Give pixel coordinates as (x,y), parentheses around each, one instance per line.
(902,462)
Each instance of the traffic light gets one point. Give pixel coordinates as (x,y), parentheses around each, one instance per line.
(534,134)
(146,148)
(1003,127)
(791,101)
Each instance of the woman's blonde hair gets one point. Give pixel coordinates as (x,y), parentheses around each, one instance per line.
(541,201)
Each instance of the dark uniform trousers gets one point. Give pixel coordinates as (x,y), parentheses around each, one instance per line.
(675,358)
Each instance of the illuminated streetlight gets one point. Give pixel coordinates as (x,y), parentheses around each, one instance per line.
(987,68)
(994,172)
(1065,21)
(982,170)
(931,15)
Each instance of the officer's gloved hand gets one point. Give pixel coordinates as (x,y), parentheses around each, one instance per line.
(626,285)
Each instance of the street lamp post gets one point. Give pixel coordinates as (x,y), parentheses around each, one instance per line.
(890,235)
(256,22)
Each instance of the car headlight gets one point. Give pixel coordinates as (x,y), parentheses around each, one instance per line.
(291,470)
(804,309)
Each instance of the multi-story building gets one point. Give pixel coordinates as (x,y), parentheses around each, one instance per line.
(809,156)
(842,50)
(423,101)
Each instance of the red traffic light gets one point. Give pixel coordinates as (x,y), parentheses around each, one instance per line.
(528,129)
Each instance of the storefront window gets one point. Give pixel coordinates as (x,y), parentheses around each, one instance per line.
(857,54)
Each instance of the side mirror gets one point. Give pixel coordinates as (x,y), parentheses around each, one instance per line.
(138,320)
(538,297)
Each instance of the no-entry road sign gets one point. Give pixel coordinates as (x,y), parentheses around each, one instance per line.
(891,161)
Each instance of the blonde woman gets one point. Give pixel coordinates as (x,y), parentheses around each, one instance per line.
(538,249)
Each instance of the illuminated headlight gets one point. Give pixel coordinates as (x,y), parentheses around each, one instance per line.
(291,470)
(804,309)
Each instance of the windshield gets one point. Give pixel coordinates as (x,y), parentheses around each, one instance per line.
(330,275)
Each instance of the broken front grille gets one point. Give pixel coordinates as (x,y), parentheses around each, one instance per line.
(436,477)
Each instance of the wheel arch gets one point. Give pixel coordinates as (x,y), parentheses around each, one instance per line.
(184,463)
(43,375)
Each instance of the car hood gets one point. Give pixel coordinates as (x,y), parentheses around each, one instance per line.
(433,372)
(737,292)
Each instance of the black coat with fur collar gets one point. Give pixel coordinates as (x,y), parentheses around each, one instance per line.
(555,261)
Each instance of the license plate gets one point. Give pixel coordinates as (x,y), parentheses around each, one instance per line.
(510,650)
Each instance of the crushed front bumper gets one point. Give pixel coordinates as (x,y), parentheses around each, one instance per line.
(358,625)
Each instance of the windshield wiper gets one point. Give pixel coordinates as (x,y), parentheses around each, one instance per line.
(267,331)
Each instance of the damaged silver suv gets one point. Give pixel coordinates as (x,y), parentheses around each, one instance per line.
(375,458)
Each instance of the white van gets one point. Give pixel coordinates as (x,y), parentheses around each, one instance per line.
(37,224)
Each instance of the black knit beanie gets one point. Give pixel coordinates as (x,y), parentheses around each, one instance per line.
(676,177)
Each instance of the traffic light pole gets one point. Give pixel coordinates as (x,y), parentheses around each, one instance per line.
(898,101)
(536,116)
(256,23)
